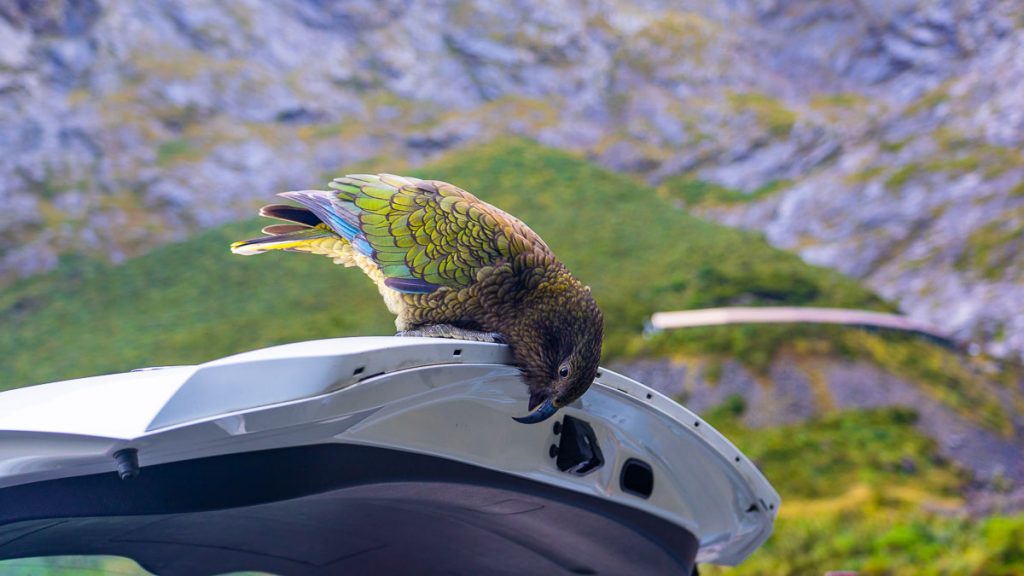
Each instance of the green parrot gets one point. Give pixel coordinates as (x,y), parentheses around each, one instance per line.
(450,265)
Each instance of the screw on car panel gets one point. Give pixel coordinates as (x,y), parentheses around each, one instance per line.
(127,463)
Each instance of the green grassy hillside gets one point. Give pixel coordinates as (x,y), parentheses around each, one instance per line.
(193,301)
(865,491)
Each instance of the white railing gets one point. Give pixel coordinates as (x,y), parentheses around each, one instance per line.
(793,315)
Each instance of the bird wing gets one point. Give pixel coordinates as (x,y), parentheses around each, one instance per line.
(423,234)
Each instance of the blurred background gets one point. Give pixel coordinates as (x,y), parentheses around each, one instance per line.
(677,155)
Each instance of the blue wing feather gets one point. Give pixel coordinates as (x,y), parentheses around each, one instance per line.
(335,215)
(345,221)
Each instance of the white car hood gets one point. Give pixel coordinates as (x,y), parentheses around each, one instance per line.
(445,398)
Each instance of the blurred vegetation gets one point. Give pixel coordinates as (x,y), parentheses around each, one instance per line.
(695,192)
(971,391)
(769,111)
(194,301)
(72,566)
(867,534)
(178,150)
(95,565)
(993,249)
(878,449)
(871,494)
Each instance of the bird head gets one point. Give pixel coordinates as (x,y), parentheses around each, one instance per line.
(558,350)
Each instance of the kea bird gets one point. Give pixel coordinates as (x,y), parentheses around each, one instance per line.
(450,265)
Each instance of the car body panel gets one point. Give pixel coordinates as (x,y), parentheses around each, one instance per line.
(448,399)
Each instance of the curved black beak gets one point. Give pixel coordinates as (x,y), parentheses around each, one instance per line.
(546,410)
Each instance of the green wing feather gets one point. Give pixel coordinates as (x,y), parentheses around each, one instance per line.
(428,233)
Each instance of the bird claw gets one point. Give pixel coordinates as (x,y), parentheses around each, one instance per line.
(453,332)
(492,337)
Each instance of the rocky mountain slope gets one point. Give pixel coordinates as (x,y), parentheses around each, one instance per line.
(800,388)
(881,138)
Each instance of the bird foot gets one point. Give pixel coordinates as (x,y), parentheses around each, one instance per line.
(455,333)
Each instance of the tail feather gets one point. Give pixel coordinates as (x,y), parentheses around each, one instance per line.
(290,214)
(278,229)
(333,212)
(298,239)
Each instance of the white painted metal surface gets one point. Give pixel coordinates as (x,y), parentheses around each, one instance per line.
(446,398)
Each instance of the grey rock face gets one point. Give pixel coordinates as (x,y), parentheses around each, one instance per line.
(891,131)
(788,395)
(928,208)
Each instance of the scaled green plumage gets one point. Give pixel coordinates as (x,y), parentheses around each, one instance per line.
(451,265)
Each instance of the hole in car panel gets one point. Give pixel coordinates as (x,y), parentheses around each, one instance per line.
(457,352)
(637,478)
(358,371)
(578,450)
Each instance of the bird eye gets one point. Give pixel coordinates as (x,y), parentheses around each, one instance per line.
(564,371)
